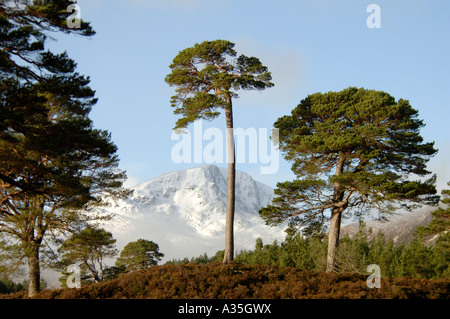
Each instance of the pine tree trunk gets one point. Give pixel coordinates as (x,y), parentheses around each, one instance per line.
(335,222)
(34,272)
(333,239)
(229,227)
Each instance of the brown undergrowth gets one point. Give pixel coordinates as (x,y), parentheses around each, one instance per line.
(235,281)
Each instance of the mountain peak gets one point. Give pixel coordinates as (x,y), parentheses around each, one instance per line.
(185,211)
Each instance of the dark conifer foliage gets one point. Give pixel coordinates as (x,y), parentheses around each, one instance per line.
(88,249)
(139,255)
(351,151)
(52,160)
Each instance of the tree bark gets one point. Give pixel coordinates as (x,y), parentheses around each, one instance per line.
(34,272)
(335,222)
(333,239)
(229,227)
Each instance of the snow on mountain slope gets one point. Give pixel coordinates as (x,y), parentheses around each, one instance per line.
(184,213)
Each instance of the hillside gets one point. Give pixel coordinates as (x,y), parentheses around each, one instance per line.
(235,281)
(400,228)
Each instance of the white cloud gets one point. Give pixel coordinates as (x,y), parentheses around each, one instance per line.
(131,181)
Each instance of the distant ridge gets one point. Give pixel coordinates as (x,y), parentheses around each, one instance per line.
(399,228)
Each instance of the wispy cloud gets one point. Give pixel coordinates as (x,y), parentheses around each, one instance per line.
(286,65)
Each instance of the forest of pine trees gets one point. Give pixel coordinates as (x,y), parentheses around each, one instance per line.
(415,259)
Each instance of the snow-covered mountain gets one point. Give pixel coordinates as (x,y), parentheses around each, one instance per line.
(184,213)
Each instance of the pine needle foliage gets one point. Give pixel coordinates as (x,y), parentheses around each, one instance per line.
(351,151)
(207,76)
(53,162)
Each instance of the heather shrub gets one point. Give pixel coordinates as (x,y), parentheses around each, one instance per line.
(237,281)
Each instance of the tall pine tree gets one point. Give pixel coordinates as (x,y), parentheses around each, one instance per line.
(351,150)
(207,80)
(52,161)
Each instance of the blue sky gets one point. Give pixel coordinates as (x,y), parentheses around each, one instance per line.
(309,46)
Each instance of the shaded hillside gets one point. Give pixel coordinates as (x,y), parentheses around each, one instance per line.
(399,228)
(217,281)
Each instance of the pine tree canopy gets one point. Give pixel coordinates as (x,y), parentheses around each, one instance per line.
(48,145)
(356,149)
(53,162)
(43,96)
(139,255)
(207,76)
(89,249)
